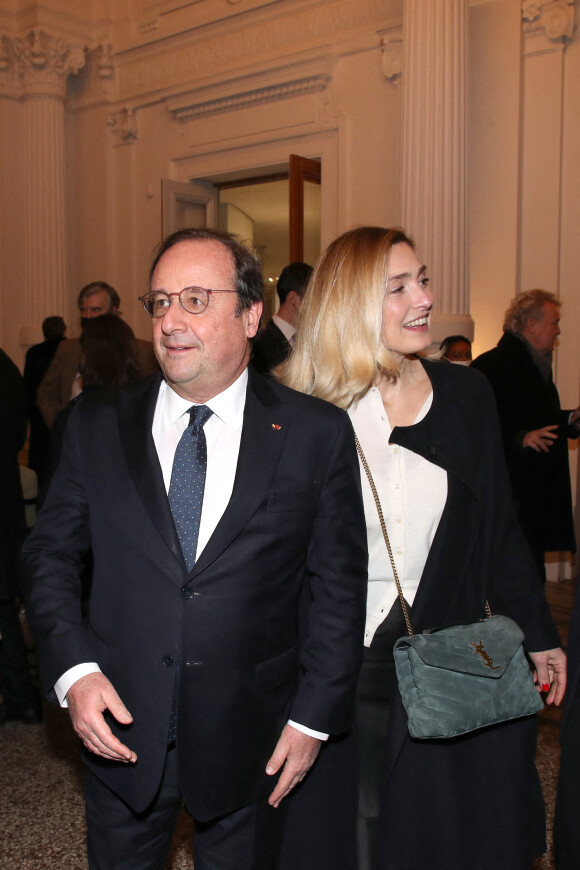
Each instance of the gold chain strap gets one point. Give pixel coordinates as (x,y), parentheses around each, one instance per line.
(365,465)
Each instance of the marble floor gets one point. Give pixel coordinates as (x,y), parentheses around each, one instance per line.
(41,817)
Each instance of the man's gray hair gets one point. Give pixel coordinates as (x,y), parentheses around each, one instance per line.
(527,306)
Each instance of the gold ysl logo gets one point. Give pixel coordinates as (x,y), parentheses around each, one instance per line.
(487,660)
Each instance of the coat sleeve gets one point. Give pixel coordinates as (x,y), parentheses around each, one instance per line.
(52,561)
(516,588)
(337,570)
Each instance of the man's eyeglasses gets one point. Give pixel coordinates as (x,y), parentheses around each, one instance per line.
(194,300)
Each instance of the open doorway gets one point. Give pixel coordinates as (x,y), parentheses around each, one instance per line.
(278,213)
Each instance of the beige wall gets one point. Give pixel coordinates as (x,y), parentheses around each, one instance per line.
(168,59)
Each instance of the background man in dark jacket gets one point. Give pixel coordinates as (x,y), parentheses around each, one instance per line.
(534,428)
(36,364)
(273,343)
(20,701)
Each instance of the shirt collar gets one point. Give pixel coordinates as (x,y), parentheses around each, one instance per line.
(287,330)
(228,405)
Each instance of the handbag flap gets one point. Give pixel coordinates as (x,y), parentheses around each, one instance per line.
(481,648)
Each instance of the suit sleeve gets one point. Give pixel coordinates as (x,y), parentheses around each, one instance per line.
(337,570)
(52,559)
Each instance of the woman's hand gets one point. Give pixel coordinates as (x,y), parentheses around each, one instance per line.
(550,673)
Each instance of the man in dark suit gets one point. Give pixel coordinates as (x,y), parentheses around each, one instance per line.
(55,389)
(36,364)
(20,700)
(221,649)
(535,430)
(273,343)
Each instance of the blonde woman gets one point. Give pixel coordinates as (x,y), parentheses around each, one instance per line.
(431,438)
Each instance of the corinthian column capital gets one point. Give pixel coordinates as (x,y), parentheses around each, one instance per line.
(38,64)
(552,18)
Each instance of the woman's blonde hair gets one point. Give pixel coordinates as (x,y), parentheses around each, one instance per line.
(338,350)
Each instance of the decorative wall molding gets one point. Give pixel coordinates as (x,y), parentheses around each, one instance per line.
(552,18)
(198,107)
(392,58)
(123,123)
(324,27)
(38,63)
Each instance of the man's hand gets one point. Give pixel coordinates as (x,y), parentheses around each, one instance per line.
(541,439)
(575,417)
(87,699)
(295,753)
(550,673)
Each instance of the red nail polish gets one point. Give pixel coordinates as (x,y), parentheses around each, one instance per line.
(545,687)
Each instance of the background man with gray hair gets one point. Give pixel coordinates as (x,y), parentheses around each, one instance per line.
(534,428)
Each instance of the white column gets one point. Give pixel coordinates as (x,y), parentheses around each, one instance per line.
(45,233)
(43,64)
(434,166)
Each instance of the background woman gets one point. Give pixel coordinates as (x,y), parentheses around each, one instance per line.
(430,435)
(457,349)
(109,359)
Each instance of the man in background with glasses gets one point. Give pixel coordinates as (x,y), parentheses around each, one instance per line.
(227,607)
(55,389)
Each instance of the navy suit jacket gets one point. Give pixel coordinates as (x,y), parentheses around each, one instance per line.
(267,626)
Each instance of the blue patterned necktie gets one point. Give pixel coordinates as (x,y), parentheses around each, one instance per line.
(188,481)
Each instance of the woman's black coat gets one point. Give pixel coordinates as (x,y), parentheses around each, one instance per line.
(473,801)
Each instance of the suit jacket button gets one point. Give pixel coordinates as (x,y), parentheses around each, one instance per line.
(167,661)
(187,593)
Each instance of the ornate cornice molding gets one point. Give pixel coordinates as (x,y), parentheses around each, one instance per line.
(551,18)
(215,53)
(199,104)
(38,64)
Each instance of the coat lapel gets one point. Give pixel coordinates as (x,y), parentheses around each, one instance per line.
(264,432)
(136,409)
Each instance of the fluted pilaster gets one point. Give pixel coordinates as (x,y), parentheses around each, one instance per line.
(45,233)
(434,167)
(36,69)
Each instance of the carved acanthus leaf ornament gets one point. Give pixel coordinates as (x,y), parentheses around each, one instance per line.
(40,63)
(555,18)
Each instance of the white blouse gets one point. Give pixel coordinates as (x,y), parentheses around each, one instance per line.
(412,492)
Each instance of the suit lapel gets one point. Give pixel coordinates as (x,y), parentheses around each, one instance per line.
(136,411)
(264,432)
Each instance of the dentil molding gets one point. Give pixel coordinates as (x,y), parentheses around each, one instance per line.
(551,18)
(38,64)
(202,103)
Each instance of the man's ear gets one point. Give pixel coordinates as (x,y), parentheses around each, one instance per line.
(253,315)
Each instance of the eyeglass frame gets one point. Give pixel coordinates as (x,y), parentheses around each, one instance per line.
(207,290)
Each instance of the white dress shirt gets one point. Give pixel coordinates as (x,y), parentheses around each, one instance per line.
(287,330)
(412,493)
(223,432)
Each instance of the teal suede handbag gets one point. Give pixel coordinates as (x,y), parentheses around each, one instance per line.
(460,678)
